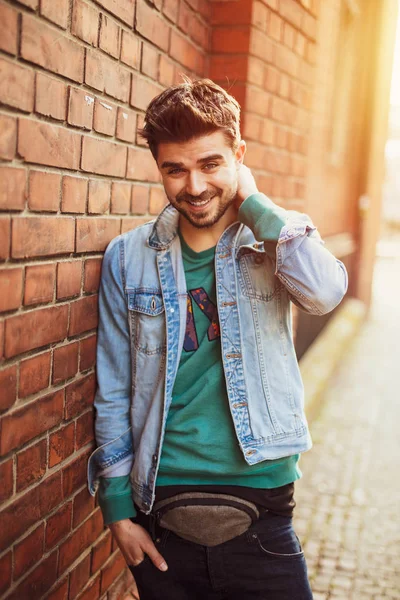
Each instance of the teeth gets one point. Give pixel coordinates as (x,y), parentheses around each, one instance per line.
(202,203)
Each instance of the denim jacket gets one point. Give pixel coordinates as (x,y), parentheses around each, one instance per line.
(142,305)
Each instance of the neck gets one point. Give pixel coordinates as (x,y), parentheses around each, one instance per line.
(199,239)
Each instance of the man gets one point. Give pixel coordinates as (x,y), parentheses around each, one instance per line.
(200,419)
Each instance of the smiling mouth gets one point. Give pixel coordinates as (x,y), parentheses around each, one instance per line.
(199,203)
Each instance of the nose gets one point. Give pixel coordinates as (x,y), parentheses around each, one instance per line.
(196,184)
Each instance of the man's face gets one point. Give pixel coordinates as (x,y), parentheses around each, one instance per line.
(200,176)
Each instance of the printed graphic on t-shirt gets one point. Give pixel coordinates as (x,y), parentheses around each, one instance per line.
(208,308)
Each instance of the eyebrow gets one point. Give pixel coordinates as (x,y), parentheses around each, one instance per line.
(178,165)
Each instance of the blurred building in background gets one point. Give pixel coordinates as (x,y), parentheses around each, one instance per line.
(313,79)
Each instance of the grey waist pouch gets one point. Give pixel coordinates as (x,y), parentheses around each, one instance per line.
(206,519)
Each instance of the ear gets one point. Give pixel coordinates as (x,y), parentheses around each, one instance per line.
(240,152)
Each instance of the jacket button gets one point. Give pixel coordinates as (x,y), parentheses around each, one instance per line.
(155,459)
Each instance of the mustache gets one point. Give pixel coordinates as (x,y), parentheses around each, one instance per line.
(206,195)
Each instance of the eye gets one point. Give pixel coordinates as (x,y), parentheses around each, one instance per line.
(210,166)
(176,171)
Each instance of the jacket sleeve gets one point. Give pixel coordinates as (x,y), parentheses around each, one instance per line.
(315,279)
(114,455)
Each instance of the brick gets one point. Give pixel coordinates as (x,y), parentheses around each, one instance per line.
(309,26)
(284,86)
(8,387)
(92,589)
(1,341)
(126,125)
(58,525)
(85,429)
(186,53)
(34,4)
(44,191)
(123,9)
(110,36)
(60,592)
(275,27)
(6,478)
(79,395)
(142,166)
(65,362)
(5,237)
(61,444)
(150,60)
(167,71)
(87,352)
(28,509)
(16,85)
(94,234)
(223,40)
(151,26)
(69,276)
(84,504)
(34,329)
(170,10)
(130,50)
(92,274)
(271,79)
(8,137)
(31,420)
(46,144)
(289,34)
(260,16)
(105,116)
(200,33)
(237,12)
(106,75)
(80,108)
(139,199)
(31,464)
(111,570)
(51,97)
(8,29)
(79,576)
(142,92)
(84,315)
(99,196)
(57,12)
(74,474)
(120,198)
(234,67)
(292,12)
(39,284)
(103,158)
(74,194)
(42,236)
(252,125)
(5,572)
(36,584)
(11,283)
(85,22)
(55,52)
(261,45)
(101,551)
(185,18)
(132,222)
(28,552)
(157,200)
(34,374)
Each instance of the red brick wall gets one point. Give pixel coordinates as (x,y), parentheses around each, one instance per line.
(75,78)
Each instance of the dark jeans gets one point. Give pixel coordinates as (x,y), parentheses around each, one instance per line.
(265,563)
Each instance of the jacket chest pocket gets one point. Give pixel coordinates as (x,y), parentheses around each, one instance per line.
(147,320)
(256,276)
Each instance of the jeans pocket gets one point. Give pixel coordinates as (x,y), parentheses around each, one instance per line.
(279,543)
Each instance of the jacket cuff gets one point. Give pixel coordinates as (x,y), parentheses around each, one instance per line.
(115,499)
(263,217)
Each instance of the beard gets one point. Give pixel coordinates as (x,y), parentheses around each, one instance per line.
(204,219)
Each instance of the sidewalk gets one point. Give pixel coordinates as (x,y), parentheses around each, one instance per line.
(348,502)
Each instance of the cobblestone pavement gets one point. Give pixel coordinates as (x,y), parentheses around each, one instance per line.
(348,502)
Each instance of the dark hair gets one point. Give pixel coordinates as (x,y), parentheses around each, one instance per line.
(188,110)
